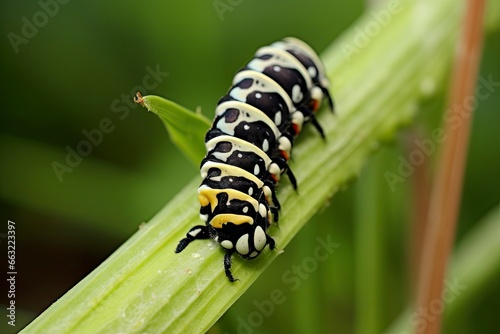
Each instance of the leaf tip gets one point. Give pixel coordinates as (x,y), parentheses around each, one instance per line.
(139,99)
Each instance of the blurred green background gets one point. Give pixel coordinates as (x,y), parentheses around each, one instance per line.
(82,66)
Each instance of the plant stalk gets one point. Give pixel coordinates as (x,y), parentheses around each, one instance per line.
(446,193)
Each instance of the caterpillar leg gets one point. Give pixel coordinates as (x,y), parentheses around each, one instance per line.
(197,232)
(271,242)
(271,198)
(227,265)
(318,127)
(308,115)
(229,252)
(284,168)
(329,99)
(292,178)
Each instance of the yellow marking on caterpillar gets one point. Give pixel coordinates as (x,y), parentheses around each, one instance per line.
(249,111)
(229,170)
(225,218)
(238,144)
(207,195)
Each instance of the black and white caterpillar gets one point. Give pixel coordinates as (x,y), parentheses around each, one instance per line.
(249,145)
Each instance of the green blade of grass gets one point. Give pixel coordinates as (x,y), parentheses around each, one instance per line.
(145,288)
(369,238)
(187,129)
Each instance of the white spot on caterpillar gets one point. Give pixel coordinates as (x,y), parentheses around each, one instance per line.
(256,169)
(262,210)
(267,193)
(276,68)
(227,244)
(265,145)
(242,245)
(312,71)
(250,191)
(274,169)
(194,233)
(246,127)
(277,118)
(296,94)
(245,209)
(258,95)
(259,238)
(316,94)
(285,145)
(298,119)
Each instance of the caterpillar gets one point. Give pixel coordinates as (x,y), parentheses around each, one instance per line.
(250,143)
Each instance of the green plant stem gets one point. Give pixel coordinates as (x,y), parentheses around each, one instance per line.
(369,227)
(145,287)
(306,314)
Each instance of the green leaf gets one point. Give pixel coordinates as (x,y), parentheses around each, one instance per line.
(187,129)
